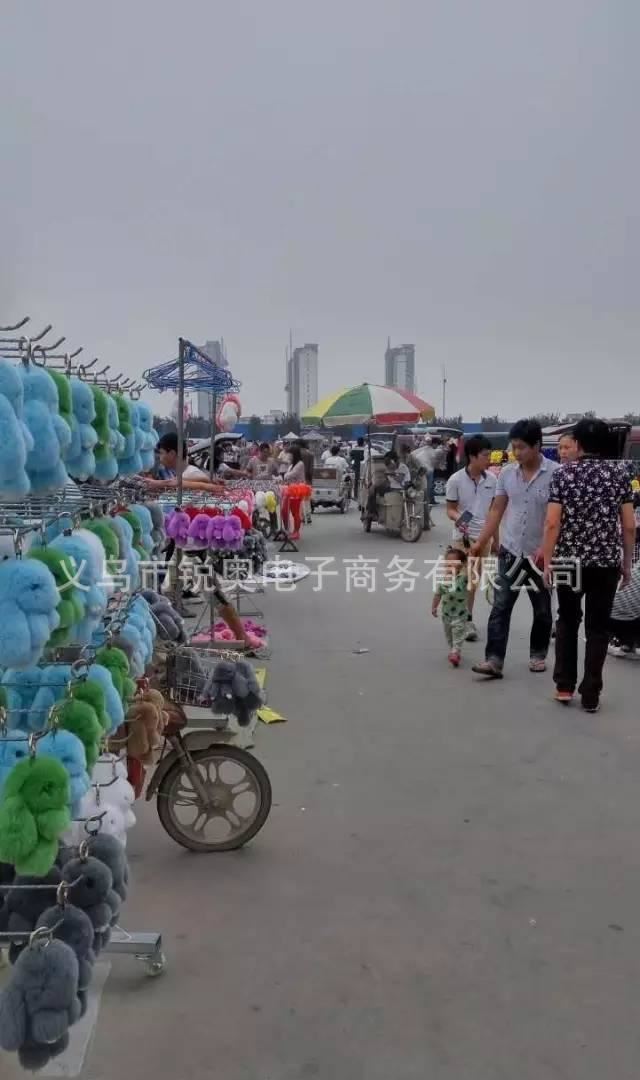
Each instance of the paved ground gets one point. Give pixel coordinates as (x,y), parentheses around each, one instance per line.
(447,887)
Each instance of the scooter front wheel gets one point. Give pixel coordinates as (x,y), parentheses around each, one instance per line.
(221,808)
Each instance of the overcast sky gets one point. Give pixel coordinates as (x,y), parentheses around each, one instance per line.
(462,174)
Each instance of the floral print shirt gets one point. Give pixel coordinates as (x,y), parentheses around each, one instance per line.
(591,492)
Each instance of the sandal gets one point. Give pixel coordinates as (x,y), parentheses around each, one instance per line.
(537,666)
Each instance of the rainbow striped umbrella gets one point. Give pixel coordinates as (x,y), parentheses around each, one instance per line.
(369,404)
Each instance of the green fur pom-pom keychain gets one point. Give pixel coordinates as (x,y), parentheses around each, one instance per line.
(70,607)
(117,663)
(81,720)
(92,694)
(34,812)
(109,539)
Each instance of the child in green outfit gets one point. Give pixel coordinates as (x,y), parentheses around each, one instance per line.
(451,599)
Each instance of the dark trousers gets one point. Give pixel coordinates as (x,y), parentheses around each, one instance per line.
(372,501)
(598,586)
(515,576)
(626,631)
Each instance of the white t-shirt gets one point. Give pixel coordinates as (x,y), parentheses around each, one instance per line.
(192,472)
(334,461)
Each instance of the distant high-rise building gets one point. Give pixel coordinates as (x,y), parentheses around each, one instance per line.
(302,379)
(216,351)
(400,367)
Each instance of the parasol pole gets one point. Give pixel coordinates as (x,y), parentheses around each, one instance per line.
(180,419)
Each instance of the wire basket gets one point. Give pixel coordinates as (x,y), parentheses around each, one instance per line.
(188,671)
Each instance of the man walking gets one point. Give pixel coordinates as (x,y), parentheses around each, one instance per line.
(308,461)
(357,461)
(520,506)
(590,527)
(470,493)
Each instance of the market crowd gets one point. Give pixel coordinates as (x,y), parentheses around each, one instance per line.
(564,533)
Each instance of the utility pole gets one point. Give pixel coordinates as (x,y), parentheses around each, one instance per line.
(444,393)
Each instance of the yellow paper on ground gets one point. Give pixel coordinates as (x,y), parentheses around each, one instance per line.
(270,716)
(267,715)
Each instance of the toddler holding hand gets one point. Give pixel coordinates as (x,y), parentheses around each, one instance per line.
(451,599)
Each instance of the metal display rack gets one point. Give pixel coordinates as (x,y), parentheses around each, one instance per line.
(37,513)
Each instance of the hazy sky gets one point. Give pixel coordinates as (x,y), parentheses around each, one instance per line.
(458,173)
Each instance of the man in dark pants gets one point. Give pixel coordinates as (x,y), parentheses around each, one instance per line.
(590,499)
(308,461)
(520,506)
(357,460)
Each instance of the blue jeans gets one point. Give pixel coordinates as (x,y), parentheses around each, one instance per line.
(514,577)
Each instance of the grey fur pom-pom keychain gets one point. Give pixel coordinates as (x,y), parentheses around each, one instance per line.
(40,1002)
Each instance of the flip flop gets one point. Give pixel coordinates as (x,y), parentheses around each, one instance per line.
(537,666)
(565,697)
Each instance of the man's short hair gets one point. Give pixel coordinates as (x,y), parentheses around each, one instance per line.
(475,445)
(169,443)
(527,431)
(264,446)
(592,436)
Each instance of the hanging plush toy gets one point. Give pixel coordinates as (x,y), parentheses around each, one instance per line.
(51,435)
(65,407)
(113,701)
(73,926)
(40,1003)
(80,719)
(93,596)
(146,721)
(147,451)
(136,529)
(128,555)
(170,624)
(108,537)
(158,532)
(111,852)
(54,683)
(28,611)
(34,812)
(20,690)
(146,528)
(177,527)
(116,662)
(70,607)
(23,906)
(129,462)
(12,388)
(69,751)
(90,886)
(91,692)
(14,481)
(81,462)
(14,747)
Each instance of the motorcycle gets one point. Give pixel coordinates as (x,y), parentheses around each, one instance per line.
(399,512)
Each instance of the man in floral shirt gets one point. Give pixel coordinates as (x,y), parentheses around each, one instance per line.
(590,527)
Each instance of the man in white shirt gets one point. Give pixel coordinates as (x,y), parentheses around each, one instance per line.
(470,492)
(192,476)
(335,460)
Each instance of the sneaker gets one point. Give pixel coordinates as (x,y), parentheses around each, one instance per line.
(454,658)
(471,634)
(487,668)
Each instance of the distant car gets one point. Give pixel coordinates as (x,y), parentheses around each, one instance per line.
(199,454)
